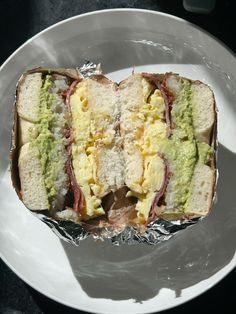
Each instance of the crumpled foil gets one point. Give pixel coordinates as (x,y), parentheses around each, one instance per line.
(89,68)
(157,231)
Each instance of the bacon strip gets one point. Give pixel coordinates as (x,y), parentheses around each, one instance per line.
(168,98)
(160,193)
(70,91)
(79,201)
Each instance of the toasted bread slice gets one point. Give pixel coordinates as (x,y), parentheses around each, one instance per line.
(202,189)
(28,97)
(33,190)
(27,131)
(203,111)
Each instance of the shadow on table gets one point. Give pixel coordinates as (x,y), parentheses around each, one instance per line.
(139,272)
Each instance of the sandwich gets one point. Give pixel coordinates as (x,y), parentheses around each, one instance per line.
(114,155)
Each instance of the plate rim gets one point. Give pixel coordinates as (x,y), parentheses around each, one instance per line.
(230,266)
(74,17)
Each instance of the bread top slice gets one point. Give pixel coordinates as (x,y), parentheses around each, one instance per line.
(204,113)
(28,96)
(27,130)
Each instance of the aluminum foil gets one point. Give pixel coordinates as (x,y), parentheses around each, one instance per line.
(89,68)
(156,232)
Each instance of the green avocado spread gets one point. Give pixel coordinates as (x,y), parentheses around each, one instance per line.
(181,113)
(205,152)
(46,142)
(182,149)
(183,157)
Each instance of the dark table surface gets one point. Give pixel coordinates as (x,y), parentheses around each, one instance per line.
(20,20)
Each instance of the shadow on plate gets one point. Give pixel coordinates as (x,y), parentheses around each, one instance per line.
(116,50)
(139,272)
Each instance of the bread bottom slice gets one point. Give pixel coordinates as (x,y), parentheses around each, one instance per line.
(200,198)
(201,191)
(33,190)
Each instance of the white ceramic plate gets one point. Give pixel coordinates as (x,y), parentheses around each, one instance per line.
(99,277)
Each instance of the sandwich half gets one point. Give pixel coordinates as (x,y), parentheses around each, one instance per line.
(168,125)
(97,152)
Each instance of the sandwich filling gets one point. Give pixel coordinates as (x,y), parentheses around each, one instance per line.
(83,149)
(50,141)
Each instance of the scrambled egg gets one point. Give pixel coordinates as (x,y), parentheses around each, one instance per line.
(153,173)
(83,154)
(151,113)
